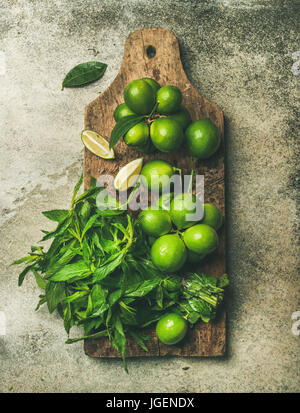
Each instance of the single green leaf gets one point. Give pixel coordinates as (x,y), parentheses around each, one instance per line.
(86,252)
(99,310)
(90,193)
(172,283)
(58,263)
(76,188)
(34,249)
(89,307)
(122,127)
(73,271)
(119,341)
(96,242)
(55,293)
(27,259)
(142,289)
(75,296)
(114,297)
(84,212)
(102,333)
(43,299)
(92,324)
(39,280)
(159,296)
(139,338)
(99,295)
(67,315)
(89,224)
(101,272)
(109,212)
(60,229)
(57,215)
(23,274)
(84,73)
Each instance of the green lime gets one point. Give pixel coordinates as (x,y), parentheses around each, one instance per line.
(194,258)
(153,83)
(164,201)
(171,328)
(201,239)
(138,135)
(212,216)
(122,111)
(166,134)
(202,138)
(168,253)
(184,205)
(169,100)
(156,175)
(183,117)
(155,222)
(139,97)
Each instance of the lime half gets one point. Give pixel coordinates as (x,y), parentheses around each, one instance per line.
(128,175)
(97,144)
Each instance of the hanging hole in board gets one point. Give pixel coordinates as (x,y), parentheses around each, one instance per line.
(151,52)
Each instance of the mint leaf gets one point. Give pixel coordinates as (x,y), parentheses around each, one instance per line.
(57,215)
(74,271)
(103,271)
(55,293)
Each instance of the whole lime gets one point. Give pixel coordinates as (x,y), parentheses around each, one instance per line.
(153,83)
(194,258)
(155,222)
(166,134)
(122,111)
(212,216)
(171,328)
(202,138)
(138,135)
(201,239)
(183,117)
(156,175)
(140,97)
(186,210)
(164,201)
(168,253)
(169,99)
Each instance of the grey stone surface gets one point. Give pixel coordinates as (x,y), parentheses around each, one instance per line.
(239,55)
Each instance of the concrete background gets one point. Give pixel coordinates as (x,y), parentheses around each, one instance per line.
(239,55)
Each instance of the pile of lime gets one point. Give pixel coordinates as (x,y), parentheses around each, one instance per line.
(167,124)
(175,233)
(174,237)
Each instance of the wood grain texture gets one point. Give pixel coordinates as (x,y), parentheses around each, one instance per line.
(206,339)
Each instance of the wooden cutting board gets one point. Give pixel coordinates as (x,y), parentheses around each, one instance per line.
(155,53)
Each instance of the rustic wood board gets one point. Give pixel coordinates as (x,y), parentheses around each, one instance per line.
(206,339)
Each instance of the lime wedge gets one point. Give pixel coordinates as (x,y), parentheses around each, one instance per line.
(97,144)
(128,175)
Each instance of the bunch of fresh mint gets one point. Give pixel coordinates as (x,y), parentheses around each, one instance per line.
(98,274)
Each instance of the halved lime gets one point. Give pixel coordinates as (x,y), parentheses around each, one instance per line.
(97,144)
(128,175)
